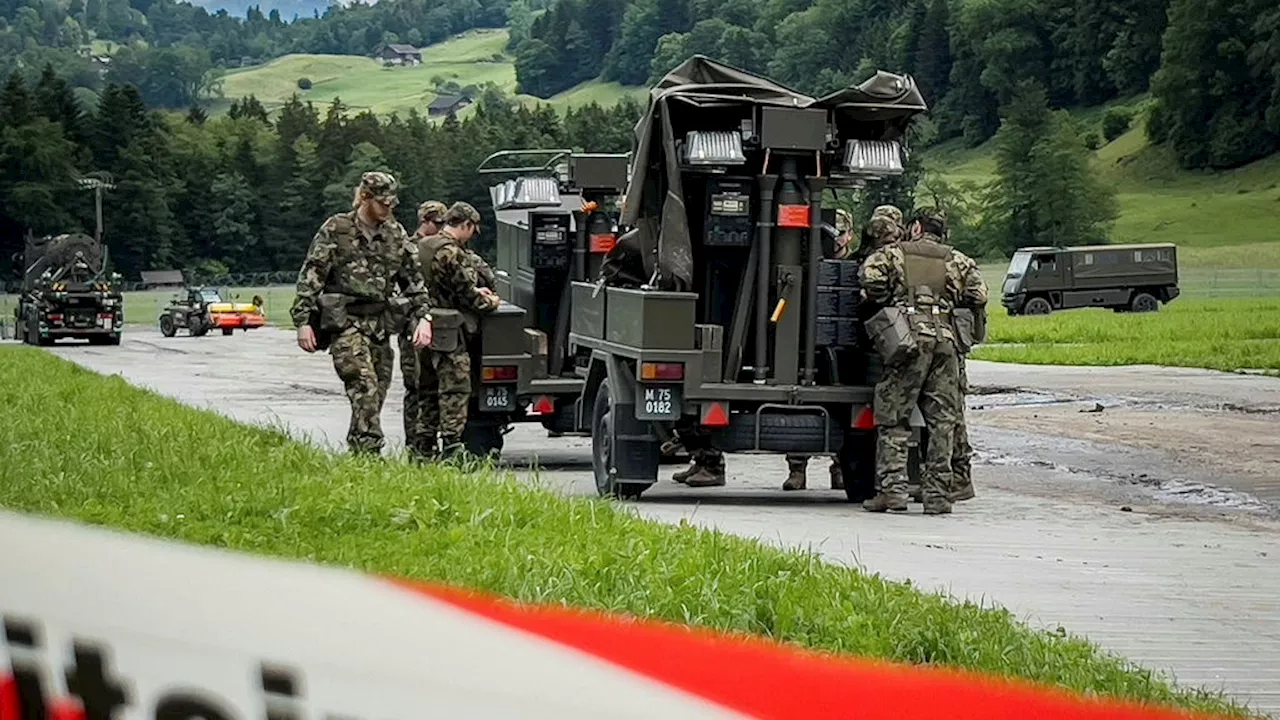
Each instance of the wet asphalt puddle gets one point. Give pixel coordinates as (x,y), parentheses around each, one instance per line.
(1154,473)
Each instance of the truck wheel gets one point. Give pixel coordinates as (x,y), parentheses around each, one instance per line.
(1037,306)
(167,328)
(1144,302)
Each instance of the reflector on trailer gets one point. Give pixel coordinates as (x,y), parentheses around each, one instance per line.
(865,419)
(493,373)
(544,405)
(703,147)
(715,414)
(873,157)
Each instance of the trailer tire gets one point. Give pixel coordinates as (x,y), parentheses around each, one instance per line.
(228,331)
(858,466)
(483,439)
(782,432)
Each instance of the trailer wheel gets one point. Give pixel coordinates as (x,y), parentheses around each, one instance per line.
(1144,302)
(167,328)
(483,439)
(1037,306)
(602,451)
(228,331)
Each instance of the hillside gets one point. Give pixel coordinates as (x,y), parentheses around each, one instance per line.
(1217,218)
(470,60)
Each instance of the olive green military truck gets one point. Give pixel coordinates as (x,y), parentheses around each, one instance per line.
(705,310)
(1125,278)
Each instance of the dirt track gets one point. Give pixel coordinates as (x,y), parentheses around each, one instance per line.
(1150,527)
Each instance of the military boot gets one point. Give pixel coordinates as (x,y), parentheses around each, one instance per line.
(837,476)
(796,478)
(683,476)
(452,449)
(961,493)
(883,502)
(937,507)
(705,476)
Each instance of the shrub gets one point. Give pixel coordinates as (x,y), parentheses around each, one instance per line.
(304,83)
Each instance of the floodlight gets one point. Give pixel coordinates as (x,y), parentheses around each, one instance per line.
(714,148)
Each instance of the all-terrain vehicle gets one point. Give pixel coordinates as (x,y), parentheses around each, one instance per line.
(713,313)
(67,292)
(1125,278)
(203,310)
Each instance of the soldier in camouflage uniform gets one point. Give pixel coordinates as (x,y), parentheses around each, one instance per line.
(416,427)
(453,285)
(961,450)
(877,232)
(927,280)
(357,262)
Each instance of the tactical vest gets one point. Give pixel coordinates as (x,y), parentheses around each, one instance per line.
(925,274)
(430,247)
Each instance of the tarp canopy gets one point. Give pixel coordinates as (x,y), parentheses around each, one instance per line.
(885,101)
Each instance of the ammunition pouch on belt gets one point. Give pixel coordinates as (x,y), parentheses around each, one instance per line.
(446,330)
(892,335)
(970,327)
(332,314)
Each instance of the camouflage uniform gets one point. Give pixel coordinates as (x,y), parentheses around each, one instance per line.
(961,450)
(929,378)
(367,265)
(444,376)
(878,231)
(419,432)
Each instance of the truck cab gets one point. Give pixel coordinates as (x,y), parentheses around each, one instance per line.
(1124,278)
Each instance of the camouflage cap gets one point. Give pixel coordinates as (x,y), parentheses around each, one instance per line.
(462,212)
(431,210)
(844,221)
(882,228)
(381,185)
(932,213)
(889,211)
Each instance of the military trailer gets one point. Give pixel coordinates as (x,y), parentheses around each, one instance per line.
(715,315)
(1125,278)
(68,293)
(555,222)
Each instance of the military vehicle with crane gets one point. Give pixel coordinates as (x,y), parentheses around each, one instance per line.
(705,306)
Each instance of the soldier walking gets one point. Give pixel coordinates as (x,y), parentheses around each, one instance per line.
(416,428)
(457,301)
(919,282)
(357,261)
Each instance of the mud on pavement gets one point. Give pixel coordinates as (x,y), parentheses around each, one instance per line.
(1157,540)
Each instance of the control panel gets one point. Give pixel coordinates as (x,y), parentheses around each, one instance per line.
(728,221)
(552,245)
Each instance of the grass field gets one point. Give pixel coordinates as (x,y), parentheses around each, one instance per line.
(132,460)
(473,59)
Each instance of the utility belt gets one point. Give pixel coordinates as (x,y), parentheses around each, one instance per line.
(335,312)
(893,330)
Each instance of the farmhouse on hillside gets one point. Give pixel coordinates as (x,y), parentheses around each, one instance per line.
(395,54)
(162,280)
(447,104)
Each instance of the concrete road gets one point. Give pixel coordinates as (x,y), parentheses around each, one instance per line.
(1094,513)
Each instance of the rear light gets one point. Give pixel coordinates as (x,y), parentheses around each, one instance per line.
(499,373)
(55,317)
(661,371)
(865,419)
(105,316)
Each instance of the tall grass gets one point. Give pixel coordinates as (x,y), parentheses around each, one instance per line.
(93,448)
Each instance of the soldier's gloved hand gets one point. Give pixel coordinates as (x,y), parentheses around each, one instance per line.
(422,334)
(307,338)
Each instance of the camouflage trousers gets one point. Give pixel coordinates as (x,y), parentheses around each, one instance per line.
(364,364)
(421,406)
(961,450)
(445,383)
(929,380)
